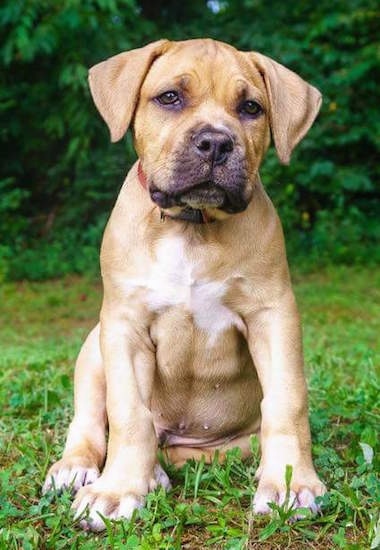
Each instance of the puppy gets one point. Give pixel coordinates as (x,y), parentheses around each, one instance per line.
(199,343)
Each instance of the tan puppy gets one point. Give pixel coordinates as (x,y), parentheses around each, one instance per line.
(199,341)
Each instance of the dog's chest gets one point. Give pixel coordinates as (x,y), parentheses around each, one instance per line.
(173,280)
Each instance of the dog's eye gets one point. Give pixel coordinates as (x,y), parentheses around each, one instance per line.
(169,98)
(251,108)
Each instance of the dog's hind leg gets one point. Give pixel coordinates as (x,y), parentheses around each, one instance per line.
(85,447)
(178,455)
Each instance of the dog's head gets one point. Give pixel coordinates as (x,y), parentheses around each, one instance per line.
(202,113)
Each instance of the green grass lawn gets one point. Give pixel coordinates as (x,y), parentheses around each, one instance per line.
(41,328)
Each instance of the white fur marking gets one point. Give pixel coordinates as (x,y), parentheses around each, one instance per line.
(172,281)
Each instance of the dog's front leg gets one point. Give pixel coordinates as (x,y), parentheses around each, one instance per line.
(131,470)
(276,346)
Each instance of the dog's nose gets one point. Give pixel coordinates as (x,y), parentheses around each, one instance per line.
(213,146)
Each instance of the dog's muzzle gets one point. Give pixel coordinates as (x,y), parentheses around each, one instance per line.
(209,173)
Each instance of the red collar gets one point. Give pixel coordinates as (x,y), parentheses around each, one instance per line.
(141,175)
(191,215)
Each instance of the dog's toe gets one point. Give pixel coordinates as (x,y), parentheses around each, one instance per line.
(69,476)
(306,499)
(262,499)
(160,478)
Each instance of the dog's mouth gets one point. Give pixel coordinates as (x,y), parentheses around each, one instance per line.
(200,197)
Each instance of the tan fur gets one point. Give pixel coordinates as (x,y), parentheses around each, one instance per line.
(199,336)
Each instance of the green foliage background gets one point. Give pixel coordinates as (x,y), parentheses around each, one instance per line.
(59,174)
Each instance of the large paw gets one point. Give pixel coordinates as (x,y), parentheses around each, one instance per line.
(303,491)
(94,502)
(72,473)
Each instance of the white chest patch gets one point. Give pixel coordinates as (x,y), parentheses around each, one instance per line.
(172,281)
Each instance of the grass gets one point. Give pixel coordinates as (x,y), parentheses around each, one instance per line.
(41,329)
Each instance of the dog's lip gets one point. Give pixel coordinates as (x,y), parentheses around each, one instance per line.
(178,192)
(203,195)
(178,197)
(223,199)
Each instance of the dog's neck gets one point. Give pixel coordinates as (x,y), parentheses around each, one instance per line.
(191,215)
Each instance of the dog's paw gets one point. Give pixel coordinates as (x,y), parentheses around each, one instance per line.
(91,505)
(69,474)
(302,494)
(95,502)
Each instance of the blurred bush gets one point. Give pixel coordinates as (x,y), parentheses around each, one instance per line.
(60,175)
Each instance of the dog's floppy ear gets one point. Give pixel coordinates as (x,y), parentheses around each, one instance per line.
(115,85)
(294,104)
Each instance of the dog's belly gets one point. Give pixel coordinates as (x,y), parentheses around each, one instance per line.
(203,394)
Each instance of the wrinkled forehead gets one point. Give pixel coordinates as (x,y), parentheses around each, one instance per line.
(204,67)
